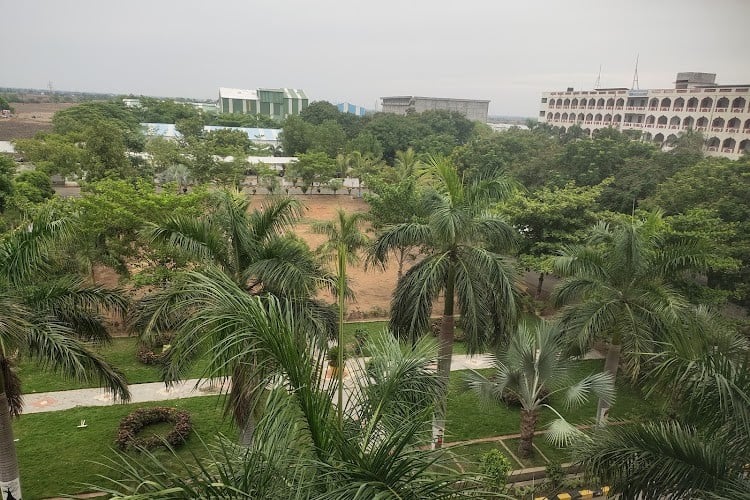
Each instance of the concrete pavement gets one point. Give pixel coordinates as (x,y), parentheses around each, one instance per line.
(156,391)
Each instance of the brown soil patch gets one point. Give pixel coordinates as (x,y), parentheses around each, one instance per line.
(29,119)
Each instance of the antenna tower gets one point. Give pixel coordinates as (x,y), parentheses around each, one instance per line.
(635,74)
(49,86)
(598,82)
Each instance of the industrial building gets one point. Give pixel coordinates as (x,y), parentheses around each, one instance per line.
(347,107)
(720,112)
(471,108)
(276,103)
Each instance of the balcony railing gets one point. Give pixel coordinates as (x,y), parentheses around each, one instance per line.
(721,110)
(737,110)
(728,150)
(706,110)
(716,129)
(733,130)
(664,108)
(691,109)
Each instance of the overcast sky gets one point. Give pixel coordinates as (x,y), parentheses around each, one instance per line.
(505,51)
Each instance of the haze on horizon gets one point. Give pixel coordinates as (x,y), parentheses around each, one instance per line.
(507,52)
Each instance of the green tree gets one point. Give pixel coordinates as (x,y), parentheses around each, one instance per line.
(104,154)
(53,153)
(701,450)
(34,185)
(253,250)
(617,288)
(311,169)
(226,142)
(548,219)
(344,241)
(320,111)
(191,127)
(49,317)
(533,369)
(296,136)
(7,172)
(460,241)
(81,118)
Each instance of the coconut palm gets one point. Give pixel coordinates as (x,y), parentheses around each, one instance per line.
(344,241)
(48,317)
(252,248)
(617,288)
(532,370)
(701,451)
(460,241)
(300,451)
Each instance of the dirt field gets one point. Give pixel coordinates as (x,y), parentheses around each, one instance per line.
(29,119)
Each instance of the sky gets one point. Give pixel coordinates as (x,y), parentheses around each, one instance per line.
(506,51)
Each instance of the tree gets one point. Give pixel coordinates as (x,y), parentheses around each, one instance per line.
(701,451)
(7,172)
(53,153)
(296,135)
(532,370)
(251,249)
(226,142)
(617,288)
(312,168)
(50,317)
(300,450)
(34,185)
(191,127)
(344,241)
(548,219)
(319,111)
(104,154)
(460,241)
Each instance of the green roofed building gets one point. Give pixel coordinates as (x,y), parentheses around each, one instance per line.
(276,103)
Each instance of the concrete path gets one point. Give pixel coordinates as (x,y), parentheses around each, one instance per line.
(156,391)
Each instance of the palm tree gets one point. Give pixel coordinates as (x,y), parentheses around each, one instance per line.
(253,250)
(461,240)
(344,241)
(617,288)
(533,369)
(49,317)
(300,451)
(701,451)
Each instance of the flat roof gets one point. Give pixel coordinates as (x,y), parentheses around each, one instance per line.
(229,93)
(433,98)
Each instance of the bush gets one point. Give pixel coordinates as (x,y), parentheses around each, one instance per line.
(495,466)
(134,423)
(555,475)
(146,353)
(360,338)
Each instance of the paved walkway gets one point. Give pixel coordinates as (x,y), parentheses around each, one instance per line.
(156,391)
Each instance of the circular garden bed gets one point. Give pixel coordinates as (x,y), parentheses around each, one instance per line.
(154,353)
(132,425)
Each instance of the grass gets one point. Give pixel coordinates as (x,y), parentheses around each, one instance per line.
(56,457)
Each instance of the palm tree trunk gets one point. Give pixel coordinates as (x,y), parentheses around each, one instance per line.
(10,481)
(528,426)
(539,286)
(401,258)
(611,365)
(342,303)
(445,354)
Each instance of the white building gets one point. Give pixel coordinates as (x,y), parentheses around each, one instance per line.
(720,112)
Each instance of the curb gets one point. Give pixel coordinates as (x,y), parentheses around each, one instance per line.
(604,490)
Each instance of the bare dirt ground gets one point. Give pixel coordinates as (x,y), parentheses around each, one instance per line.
(29,119)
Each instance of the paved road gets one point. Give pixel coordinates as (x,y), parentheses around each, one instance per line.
(63,400)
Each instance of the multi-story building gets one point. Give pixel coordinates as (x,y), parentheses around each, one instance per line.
(276,103)
(720,112)
(401,105)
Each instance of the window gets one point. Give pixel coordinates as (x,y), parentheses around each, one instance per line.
(544,100)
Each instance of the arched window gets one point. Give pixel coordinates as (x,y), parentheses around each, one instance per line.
(580,117)
(662,120)
(592,102)
(744,147)
(574,103)
(557,116)
(549,116)
(692,104)
(587,131)
(598,118)
(728,145)
(589,117)
(674,122)
(610,102)
(738,105)
(702,122)
(734,124)
(600,103)
(718,123)
(564,117)
(722,104)
(659,138)
(647,136)
(607,118)
(679,103)
(551,103)
(670,140)
(650,120)
(713,144)
(706,104)
(747,125)
(688,122)
(620,103)
(653,103)
(566,103)
(666,103)
(572,117)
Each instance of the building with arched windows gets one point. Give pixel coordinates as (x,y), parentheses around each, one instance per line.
(720,112)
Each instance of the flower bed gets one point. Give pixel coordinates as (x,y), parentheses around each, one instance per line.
(134,423)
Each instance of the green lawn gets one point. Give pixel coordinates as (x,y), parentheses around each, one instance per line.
(56,457)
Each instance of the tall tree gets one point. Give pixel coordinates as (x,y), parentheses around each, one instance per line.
(461,241)
(345,240)
(533,369)
(50,317)
(617,288)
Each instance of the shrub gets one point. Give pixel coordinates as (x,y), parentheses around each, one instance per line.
(555,475)
(495,466)
(146,353)
(135,422)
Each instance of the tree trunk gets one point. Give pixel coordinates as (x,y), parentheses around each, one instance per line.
(445,354)
(610,365)
(340,340)
(539,287)
(401,258)
(10,481)
(528,426)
